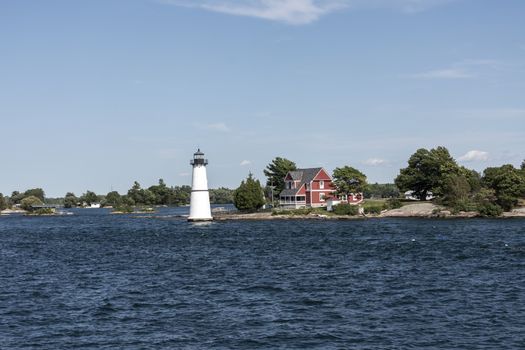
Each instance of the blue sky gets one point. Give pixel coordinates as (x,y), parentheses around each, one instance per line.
(96,94)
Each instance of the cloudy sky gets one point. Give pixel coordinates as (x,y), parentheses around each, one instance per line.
(95,94)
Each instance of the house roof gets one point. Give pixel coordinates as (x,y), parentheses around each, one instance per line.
(287,192)
(296,175)
(302,175)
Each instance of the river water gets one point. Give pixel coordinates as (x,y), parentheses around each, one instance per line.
(99,281)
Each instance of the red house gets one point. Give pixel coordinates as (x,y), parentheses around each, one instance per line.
(306,188)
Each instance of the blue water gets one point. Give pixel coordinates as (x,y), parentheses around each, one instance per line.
(99,281)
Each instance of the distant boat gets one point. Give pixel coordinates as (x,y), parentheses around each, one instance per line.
(94,206)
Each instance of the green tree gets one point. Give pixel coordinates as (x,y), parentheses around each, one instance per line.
(276,172)
(89,197)
(161,192)
(221,196)
(507,182)
(28,202)
(35,192)
(113,198)
(16,197)
(381,191)
(349,180)
(136,193)
(70,200)
(457,190)
(148,197)
(427,171)
(127,201)
(3,202)
(249,196)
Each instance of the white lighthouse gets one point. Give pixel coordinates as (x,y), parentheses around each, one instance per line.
(200,198)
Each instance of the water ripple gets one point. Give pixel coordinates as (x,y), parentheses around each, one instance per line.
(101,282)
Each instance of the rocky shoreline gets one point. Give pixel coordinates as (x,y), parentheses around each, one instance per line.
(420,210)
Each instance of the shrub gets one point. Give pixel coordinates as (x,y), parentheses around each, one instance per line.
(394,203)
(346,209)
(44,211)
(28,202)
(463,205)
(489,210)
(123,208)
(373,209)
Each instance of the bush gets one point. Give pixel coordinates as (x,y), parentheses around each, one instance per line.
(463,205)
(44,211)
(123,208)
(346,209)
(28,202)
(394,203)
(489,210)
(373,209)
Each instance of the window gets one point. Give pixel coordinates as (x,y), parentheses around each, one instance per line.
(321,184)
(322,196)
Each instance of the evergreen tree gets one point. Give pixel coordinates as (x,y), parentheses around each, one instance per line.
(276,172)
(136,193)
(249,196)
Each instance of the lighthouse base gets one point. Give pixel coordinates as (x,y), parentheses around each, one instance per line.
(200,219)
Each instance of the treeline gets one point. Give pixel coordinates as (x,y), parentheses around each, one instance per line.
(159,194)
(436,171)
(432,171)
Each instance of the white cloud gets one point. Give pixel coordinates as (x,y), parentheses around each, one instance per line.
(375,162)
(474,155)
(468,68)
(222,127)
(299,12)
(245,162)
(448,73)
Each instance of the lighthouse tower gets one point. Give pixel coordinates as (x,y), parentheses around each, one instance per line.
(200,198)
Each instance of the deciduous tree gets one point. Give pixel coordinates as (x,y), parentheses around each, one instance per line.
(3,202)
(70,200)
(28,202)
(113,198)
(507,182)
(349,180)
(427,171)
(89,197)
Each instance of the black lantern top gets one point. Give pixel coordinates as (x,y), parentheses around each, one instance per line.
(198,158)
